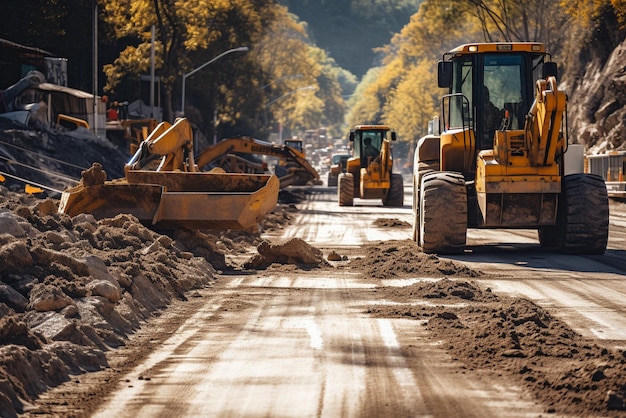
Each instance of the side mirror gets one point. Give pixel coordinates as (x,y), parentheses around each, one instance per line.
(549,69)
(351,137)
(393,136)
(444,74)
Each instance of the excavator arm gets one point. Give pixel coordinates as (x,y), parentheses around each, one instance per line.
(252,146)
(543,123)
(172,143)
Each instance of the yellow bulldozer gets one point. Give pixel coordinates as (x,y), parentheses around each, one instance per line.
(498,160)
(165,189)
(368,172)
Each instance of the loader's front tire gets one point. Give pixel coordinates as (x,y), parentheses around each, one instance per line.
(395,195)
(422,168)
(443,213)
(548,236)
(583,218)
(332,180)
(345,189)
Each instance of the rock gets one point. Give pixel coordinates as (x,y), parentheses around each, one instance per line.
(47,298)
(333,256)
(10,225)
(14,256)
(12,298)
(46,208)
(294,251)
(94,175)
(106,289)
(13,330)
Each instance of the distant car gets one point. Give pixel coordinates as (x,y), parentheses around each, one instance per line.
(337,166)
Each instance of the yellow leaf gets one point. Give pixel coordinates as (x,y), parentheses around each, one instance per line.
(2,179)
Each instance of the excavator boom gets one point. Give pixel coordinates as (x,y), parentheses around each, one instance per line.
(298,170)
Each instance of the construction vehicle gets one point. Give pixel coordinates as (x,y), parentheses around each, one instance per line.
(504,169)
(164,188)
(610,166)
(295,143)
(229,153)
(338,165)
(369,169)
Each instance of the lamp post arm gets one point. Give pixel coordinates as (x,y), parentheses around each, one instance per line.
(289,94)
(240,49)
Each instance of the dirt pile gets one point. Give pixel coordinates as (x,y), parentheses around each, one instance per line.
(391,259)
(517,339)
(54,158)
(294,251)
(73,288)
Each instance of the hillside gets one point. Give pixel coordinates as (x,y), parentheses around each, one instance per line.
(359,26)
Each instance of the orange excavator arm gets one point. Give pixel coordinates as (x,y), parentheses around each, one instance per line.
(172,143)
(543,123)
(247,145)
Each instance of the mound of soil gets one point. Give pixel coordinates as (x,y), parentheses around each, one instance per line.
(518,339)
(295,251)
(393,259)
(72,289)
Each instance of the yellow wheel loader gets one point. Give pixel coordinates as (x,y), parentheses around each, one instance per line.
(499,159)
(164,188)
(368,173)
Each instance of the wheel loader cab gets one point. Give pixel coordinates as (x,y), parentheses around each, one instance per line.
(486,91)
(367,143)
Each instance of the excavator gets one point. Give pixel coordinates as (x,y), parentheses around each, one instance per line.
(165,189)
(498,160)
(230,153)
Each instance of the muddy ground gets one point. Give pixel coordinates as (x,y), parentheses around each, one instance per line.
(80,295)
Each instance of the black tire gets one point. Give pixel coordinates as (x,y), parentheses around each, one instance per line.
(443,213)
(332,180)
(345,189)
(422,168)
(583,219)
(395,195)
(548,236)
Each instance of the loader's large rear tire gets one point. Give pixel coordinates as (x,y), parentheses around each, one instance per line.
(345,189)
(395,195)
(583,218)
(422,168)
(443,213)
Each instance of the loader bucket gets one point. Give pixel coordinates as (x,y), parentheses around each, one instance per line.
(173,199)
(110,199)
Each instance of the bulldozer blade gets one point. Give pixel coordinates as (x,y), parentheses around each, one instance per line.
(109,200)
(171,200)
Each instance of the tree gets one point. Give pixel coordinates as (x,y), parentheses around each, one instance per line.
(188,33)
(289,61)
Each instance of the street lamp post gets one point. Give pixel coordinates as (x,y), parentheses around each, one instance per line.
(182,102)
(290,93)
(281,78)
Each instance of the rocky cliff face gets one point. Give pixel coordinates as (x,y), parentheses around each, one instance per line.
(597,103)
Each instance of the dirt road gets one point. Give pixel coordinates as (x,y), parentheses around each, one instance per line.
(290,341)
